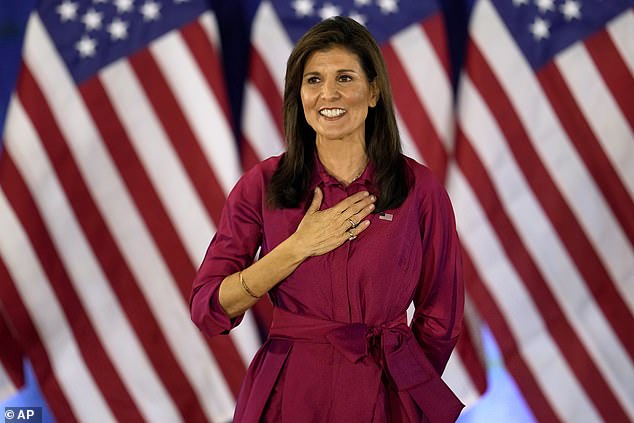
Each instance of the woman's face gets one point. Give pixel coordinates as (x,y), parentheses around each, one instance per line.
(336,95)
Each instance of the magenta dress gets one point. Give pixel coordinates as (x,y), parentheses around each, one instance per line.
(339,348)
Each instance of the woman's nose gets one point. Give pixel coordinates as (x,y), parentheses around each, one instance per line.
(329,89)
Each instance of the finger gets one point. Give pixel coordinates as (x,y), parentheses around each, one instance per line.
(349,201)
(353,233)
(316,203)
(359,210)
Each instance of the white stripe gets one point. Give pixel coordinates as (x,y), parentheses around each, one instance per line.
(210,25)
(621,30)
(409,148)
(152,145)
(259,125)
(127,227)
(85,273)
(428,76)
(600,111)
(7,388)
(46,313)
(200,106)
(553,146)
(272,43)
(168,176)
(575,300)
(535,344)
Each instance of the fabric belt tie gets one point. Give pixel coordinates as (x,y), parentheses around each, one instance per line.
(392,346)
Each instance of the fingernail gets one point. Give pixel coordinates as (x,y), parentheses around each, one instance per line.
(365,193)
(371,207)
(373,198)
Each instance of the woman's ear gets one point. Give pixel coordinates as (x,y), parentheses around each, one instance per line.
(374,93)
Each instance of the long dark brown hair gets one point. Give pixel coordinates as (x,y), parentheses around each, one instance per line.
(290,182)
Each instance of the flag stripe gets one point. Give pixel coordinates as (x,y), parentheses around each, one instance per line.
(598,106)
(36,351)
(505,277)
(201,45)
(550,198)
(91,348)
(182,79)
(265,86)
(614,72)
(423,60)
(588,147)
(101,239)
(179,133)
(68,366)
(541,293)
(514,361)
(137,181)
(621,32)
(415,117)
(259,127)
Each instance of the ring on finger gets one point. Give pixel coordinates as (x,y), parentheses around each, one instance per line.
(353,224)
(351,236)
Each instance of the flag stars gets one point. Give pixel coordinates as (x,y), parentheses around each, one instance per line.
(151,11)
(540,28)
(361,3)
(329,10)
(92,20)
(518,3)
(571,9)
(545,5)
(67,10)
(388,6)
(303,8)
(124,6)
(118,30)
(86,47)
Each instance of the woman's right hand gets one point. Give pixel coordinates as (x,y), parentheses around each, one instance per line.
(321,231)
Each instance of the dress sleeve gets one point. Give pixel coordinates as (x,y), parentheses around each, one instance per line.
(439,297)
(232,249)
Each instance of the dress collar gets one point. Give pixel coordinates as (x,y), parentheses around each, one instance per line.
(321,177)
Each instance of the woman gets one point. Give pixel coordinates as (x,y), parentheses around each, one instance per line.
(351,232)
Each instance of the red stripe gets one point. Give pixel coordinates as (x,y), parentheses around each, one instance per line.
(261,78)
(247,154)
(11,354)
(414,115)
(614,71)
(179,132)
(206,56)
(570,232)
(436,32)
(589,148)
(34,348)
(142,191)
(471,359)
(93,353)
(513,360)
(105,248)
(555,320)
(155,217)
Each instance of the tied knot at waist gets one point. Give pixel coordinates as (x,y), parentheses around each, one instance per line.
(387,343)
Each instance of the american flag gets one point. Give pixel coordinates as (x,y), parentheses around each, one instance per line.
(413,41)
(117,157)
(543,186)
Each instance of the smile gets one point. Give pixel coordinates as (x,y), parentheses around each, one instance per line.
(331,113)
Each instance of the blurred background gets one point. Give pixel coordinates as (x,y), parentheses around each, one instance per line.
(125,123)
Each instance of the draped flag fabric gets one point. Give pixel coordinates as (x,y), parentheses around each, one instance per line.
(412,39)
(117,156)
(544,194)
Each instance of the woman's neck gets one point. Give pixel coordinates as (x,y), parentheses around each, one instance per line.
(344,161)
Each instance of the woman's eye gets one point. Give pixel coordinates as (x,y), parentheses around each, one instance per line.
(312,80)
(345,78)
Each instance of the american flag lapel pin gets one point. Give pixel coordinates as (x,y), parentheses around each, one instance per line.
(386,216)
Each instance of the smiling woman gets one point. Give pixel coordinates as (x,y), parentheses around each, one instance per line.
(340,275)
